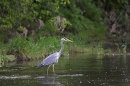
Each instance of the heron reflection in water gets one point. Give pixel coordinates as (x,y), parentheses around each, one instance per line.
(53,58)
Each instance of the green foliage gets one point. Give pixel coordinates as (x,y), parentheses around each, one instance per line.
(20,28)
(3,49)
(14,11)
(32,49)
(78,13)
(52,27)
(85,17)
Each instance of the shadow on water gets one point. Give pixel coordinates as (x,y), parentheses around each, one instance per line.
(77,70)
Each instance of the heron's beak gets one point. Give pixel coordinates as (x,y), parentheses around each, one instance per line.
(69,40)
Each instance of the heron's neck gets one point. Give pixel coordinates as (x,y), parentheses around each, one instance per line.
(62,47)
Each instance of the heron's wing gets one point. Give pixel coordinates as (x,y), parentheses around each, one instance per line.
(51,59)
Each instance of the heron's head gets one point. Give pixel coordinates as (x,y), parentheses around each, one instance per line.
(65,39)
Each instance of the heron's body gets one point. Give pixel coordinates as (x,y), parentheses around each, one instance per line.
(50,60)
(53,58)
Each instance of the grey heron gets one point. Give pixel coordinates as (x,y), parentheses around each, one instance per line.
(53,58)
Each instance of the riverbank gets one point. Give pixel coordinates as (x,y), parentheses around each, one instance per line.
(22,49)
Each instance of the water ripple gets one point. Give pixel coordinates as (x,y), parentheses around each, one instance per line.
(15,77)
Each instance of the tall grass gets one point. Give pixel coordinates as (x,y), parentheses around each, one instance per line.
(82,45)
(34,49)
(3,51)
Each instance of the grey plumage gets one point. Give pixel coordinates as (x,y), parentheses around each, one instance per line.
(49,60)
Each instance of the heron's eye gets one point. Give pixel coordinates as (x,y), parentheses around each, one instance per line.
(65,38)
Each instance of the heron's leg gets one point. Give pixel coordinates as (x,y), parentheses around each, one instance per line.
(53,69)
(48,69)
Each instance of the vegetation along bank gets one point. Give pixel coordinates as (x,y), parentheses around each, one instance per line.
(32,29)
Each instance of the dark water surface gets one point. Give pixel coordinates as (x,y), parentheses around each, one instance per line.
(75,70)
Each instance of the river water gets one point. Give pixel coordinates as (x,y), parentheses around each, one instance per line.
(75,70)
